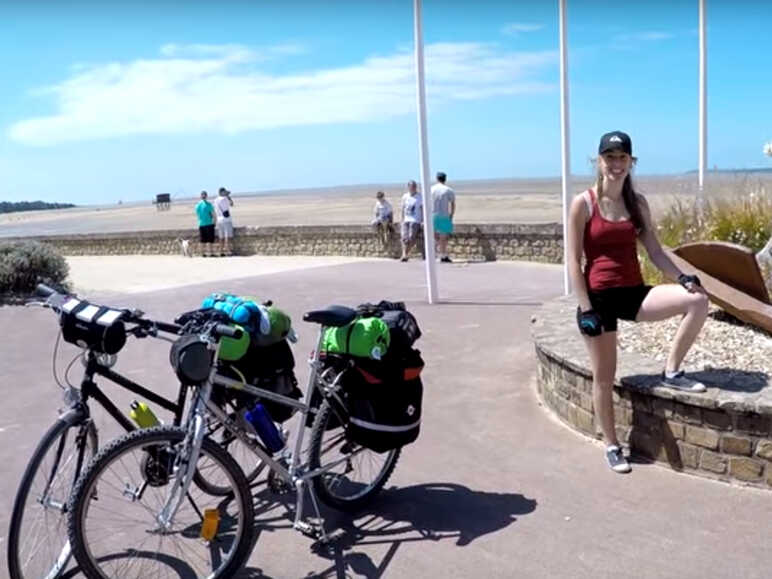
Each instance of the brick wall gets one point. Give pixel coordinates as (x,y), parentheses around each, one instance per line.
(530,242)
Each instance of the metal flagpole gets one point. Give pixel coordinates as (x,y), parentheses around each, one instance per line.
(564,140)
(703,107)
(423,145)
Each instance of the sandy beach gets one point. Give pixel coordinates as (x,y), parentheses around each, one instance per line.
(480,201)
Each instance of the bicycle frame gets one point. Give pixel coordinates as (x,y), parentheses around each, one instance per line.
(294,474)
(90,390)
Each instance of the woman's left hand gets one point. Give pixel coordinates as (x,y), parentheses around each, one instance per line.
(691,283)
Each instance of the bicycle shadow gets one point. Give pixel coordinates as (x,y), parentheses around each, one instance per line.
(426,512)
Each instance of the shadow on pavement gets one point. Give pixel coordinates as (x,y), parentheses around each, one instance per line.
(427,512)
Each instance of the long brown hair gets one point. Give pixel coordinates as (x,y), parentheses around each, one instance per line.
(629,197)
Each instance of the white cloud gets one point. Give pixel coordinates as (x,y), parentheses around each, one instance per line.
(222,89)
(517,28)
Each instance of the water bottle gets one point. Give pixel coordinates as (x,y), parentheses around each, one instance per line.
(259,418)
(142,415)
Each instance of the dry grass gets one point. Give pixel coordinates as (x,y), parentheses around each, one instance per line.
(741,215)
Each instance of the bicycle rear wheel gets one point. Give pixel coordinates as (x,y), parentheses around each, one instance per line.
(114,523)
(247,460)
(359,473)
(37,535)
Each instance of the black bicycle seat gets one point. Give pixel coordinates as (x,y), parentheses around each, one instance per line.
(331,316)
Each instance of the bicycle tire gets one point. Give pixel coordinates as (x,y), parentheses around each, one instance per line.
(247,460)
(30,559)
(93,493)
(349,495)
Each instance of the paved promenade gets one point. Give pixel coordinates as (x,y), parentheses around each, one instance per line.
(494,487)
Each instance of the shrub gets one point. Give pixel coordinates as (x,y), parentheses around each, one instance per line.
(24,264)
(744,218)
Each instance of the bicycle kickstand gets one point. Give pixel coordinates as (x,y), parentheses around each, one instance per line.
(312,527)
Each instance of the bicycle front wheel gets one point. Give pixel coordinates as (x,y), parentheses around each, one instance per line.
(355,474)
(115,524)
(37,536)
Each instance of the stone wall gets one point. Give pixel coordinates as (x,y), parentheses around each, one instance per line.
(724,434)
(537,242)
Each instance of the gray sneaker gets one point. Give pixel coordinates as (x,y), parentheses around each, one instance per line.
(681,382)
(616,459)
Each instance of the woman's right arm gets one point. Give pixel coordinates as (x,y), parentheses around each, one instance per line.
(577,218)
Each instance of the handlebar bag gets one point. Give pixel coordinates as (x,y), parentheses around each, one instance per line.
(97,328)
(191,359)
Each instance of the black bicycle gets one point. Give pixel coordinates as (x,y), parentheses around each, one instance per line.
(37,536)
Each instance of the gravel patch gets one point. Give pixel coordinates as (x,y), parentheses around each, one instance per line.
(724,342)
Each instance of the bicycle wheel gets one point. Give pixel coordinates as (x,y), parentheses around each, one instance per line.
(114,523)
(37,536)
(359,473)
(247,460)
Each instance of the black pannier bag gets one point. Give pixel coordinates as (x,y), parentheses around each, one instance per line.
(268,367)
(384,416)
(87,325)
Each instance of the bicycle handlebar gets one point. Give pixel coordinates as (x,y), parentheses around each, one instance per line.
(228,331)
(44,291)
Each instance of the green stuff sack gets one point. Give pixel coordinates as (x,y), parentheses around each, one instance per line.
(364,337)
(233,349)
(280,326)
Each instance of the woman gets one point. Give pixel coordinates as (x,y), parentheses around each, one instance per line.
(604,223)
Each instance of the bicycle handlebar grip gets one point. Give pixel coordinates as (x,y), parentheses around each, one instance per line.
(44,291)
(228,331)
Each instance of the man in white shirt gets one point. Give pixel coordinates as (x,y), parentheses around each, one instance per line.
(412,217)
(383,216)
(222,209)
(444,199)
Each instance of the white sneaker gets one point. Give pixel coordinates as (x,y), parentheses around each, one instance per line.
(616,459)
(680,382)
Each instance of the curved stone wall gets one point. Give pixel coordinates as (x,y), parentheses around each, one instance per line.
(724,434)
(485,242)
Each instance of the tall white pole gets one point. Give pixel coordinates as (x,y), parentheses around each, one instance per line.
(565,140)
(423,145)
(703,106)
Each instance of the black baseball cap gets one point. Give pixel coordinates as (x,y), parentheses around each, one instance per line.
(615,141)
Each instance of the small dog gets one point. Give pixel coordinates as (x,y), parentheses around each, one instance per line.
(184,246)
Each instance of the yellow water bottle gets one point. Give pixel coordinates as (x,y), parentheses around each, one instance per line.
(210,523)
(142,415)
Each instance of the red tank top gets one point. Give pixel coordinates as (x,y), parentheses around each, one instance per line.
(611,252)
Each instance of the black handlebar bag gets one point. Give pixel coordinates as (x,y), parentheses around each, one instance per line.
(97,328)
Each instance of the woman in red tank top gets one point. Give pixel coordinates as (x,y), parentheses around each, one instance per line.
(605,224)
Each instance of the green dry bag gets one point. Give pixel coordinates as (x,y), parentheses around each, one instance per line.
(364,337)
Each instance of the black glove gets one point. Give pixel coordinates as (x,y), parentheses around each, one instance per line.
(589,322)
(684,280)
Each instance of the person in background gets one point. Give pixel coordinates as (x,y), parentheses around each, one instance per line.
(411,209)
(206,218)
(444,199)
(222,207)
(605,223)
(383,219)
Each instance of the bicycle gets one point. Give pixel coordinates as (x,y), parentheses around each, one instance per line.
(40,505)
(118,475)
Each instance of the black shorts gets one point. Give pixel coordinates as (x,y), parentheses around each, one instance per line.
(206,233)
(618,303)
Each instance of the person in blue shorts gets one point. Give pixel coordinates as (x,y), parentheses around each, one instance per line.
(444,199)
(205,214)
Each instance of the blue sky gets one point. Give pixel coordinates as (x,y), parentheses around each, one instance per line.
(121,100)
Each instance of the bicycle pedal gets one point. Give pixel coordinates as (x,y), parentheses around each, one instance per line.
(308,529)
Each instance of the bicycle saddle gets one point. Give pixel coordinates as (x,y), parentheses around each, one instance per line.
(331,316)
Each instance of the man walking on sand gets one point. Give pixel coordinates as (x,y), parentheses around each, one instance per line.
(222,207)
(444,199)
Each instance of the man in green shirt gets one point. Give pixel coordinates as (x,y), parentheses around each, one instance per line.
(205,213)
